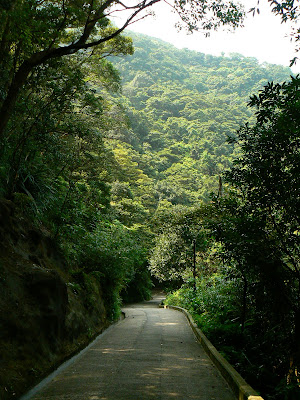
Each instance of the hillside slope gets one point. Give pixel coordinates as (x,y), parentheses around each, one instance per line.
(182,106)
(44,315)
(100,200)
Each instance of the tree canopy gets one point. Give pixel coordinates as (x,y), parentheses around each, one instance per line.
(182,107)
(33,32)
(118,157)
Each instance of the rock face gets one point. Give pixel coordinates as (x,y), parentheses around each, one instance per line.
(49,293)
(43,319)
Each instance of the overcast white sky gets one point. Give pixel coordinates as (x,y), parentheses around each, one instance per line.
(263,36)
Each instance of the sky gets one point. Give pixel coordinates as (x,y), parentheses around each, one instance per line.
(263,36)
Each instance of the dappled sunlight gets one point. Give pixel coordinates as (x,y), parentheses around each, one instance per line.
(151,358)
(150,387)
(112,351)
(161,369)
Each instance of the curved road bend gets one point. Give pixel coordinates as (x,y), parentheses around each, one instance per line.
(151,354)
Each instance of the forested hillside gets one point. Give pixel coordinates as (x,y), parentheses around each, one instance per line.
(113,167)
(200,125)
(182,107)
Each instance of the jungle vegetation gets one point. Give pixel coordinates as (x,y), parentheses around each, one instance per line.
(129,151)
(224,164)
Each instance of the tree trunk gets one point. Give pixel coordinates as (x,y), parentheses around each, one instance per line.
(12,95)
(244,304)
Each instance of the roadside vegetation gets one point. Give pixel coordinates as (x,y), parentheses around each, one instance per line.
(139,163)
(245,295)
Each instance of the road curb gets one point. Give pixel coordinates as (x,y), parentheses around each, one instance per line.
(239,386)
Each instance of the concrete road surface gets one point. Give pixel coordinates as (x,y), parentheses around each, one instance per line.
(151,354)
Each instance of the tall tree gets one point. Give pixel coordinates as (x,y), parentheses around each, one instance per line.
(263,229)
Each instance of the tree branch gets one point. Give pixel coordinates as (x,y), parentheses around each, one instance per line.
(43,56)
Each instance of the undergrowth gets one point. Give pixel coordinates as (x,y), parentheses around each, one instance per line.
(251,348)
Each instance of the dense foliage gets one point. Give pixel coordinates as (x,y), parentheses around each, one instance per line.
(55,166)
(183,105)
(249,305)
(36,32)
(55,105)
(122,179)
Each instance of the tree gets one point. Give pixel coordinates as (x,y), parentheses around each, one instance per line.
(267,173)
(180,234)
(260,225)
(33,32)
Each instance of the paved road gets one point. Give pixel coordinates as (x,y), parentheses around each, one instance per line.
(151,354)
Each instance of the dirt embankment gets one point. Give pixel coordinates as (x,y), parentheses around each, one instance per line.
(44,315)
